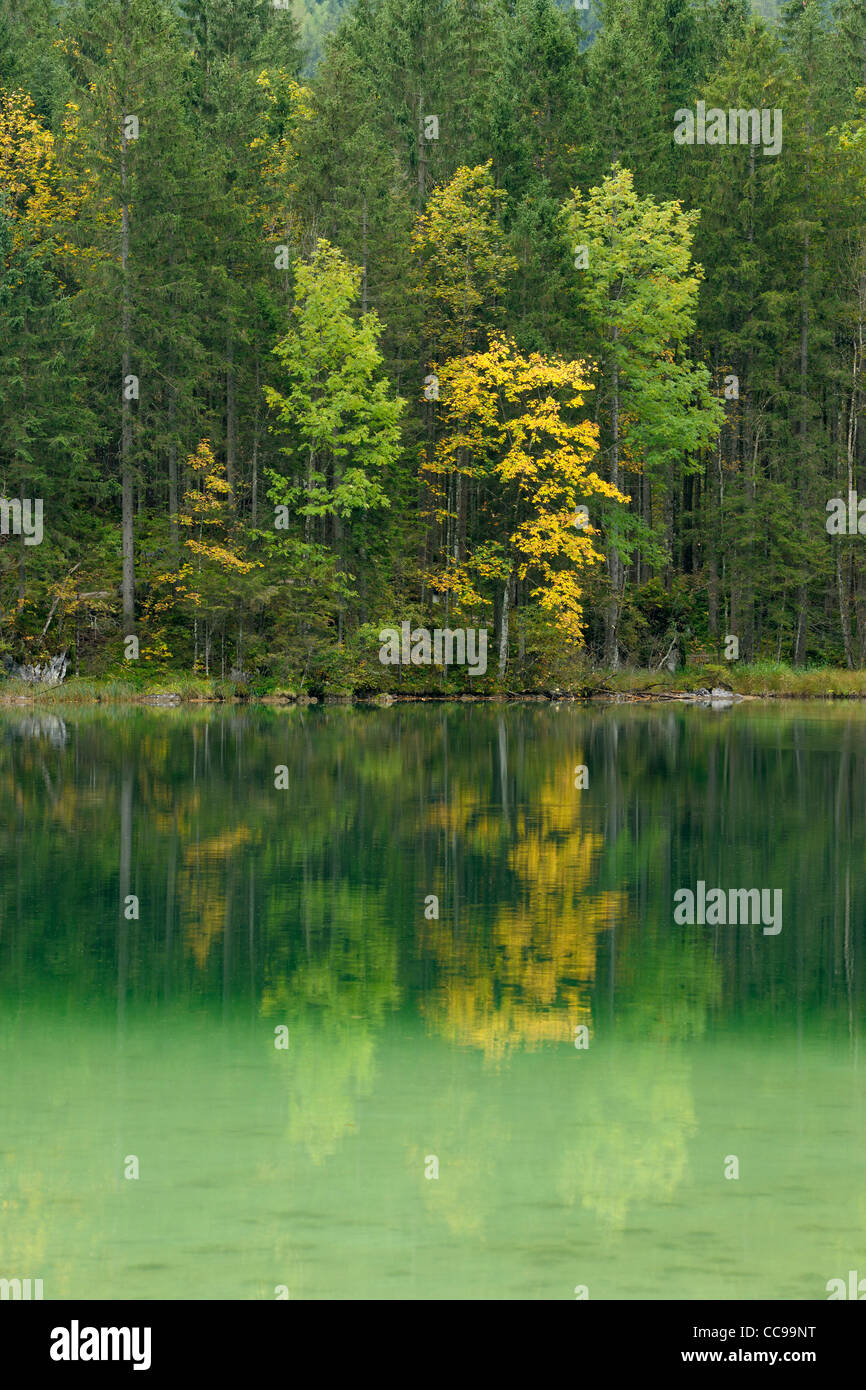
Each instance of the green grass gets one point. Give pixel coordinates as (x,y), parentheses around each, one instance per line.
(777,678)
(760,678)
(86,690)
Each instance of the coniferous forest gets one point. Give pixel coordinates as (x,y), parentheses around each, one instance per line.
(457,313)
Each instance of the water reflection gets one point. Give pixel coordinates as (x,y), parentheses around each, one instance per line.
(165,906)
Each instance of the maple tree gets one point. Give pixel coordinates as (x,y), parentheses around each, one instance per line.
(515,425)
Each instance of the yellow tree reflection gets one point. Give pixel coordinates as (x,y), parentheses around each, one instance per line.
(526,980)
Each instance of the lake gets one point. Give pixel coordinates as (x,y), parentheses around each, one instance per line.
(339,1002)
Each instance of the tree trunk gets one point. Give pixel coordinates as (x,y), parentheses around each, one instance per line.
(503,629)
(254,497)
(802,589)
(231,425)
(364,266)
(611,644)
(172,483)
(422,152)
(844,610)
(308,520)
(461,482)
(713,515)
(126,479)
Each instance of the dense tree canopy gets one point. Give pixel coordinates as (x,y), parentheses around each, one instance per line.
(367,300)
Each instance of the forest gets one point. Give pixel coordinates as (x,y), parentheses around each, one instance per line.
(428,312)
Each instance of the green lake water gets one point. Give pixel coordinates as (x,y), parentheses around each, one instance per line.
(419,1042)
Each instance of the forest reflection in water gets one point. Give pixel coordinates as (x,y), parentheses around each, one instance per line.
(166,909)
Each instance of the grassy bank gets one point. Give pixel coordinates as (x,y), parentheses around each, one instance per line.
(762,679)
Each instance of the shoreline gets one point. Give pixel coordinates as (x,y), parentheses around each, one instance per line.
(54,696)
(696,683)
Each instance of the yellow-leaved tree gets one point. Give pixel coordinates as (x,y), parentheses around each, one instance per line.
(287,107)
(48,423)
(462,261)
(210,578)
(516,427)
